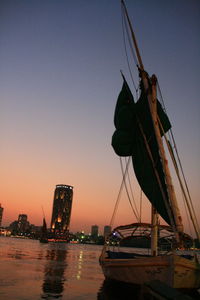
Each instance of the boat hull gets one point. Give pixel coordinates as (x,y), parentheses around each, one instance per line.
(173,270)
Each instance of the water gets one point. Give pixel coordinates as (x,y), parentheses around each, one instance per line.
(30,270)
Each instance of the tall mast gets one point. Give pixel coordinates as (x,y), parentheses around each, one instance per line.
(133,37)
(152,99)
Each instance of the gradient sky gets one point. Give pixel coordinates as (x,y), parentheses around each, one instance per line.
(60,65)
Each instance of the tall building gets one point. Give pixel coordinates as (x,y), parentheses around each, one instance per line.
(107,230)
(62,205)
(23,224)
(1,214)
(94,231)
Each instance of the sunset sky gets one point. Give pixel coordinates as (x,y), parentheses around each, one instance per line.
(60,65)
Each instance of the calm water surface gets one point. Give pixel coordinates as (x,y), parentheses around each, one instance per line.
(30,270)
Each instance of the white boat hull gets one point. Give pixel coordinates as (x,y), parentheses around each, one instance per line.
(173,270)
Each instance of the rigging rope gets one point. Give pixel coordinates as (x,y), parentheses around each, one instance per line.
(124,173)
(132,193)
(179,161)
(135,211)
(187,215)
(140,205)
(189,203)
(187,197)
(125,28)
(119,194)
(172,141)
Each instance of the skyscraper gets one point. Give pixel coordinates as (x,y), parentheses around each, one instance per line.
(23,224)
(1,214)
(62,205)
(107,230)
(94,231)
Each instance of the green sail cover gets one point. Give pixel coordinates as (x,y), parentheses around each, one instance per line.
(128,140)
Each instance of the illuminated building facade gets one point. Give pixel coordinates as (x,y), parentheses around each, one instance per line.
(23,224)
(62,205)
(1,214)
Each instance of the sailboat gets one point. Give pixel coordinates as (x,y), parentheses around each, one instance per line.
(44,233)
(141,131)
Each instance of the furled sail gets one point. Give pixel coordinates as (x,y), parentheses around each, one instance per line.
(134,128)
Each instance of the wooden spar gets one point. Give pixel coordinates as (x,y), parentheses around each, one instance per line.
(189,205)
(158,178)
(170,188)
(154,216)
(152,104)
(174,214)
(154,232)
(133,37)
(154,222)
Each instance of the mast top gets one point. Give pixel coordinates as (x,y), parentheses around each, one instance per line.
(140,63)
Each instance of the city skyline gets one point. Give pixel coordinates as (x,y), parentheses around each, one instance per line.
(22,221)
(60,78)
(61,213)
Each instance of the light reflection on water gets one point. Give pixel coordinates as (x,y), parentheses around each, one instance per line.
(54,271)
(30,270)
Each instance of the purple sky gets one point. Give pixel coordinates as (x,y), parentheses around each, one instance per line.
(60,65)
